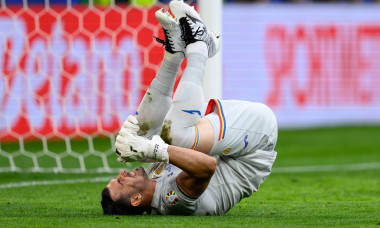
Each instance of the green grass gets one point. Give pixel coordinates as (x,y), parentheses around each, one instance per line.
(315,199)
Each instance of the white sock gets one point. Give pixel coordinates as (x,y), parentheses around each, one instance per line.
(197,47)
(157,99)
(195,68)
(166,75)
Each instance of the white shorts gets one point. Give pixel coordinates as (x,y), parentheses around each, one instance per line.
(241,127)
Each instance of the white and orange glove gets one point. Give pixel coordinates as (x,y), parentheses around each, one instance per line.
(131,147)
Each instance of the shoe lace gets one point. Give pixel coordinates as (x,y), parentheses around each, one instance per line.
(160,41)
(167,42)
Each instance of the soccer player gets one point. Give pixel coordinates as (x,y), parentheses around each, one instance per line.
(205,162)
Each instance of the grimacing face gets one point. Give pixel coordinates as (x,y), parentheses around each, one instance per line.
(128,183)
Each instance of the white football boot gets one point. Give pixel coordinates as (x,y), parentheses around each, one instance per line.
(192,27)
(173,42)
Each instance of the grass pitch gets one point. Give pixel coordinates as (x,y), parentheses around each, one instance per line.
(322,177)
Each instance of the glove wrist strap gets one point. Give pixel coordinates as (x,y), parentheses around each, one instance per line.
(159,152)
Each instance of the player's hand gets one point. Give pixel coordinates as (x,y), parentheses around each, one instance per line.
(129,146)
(131,124)
(135,148)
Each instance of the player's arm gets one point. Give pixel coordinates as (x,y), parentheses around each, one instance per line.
(198,168)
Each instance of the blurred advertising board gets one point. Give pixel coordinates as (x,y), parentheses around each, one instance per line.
(312,64)
(74,71)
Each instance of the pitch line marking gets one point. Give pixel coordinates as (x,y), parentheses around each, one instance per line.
(327,168)
(291,169)
(55,182)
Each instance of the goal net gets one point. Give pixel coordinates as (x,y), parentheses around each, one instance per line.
(70,75)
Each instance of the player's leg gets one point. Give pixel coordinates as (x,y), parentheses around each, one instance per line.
(179,127)
(157,99)
(185,111)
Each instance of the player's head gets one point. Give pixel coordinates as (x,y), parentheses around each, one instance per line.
(123,194)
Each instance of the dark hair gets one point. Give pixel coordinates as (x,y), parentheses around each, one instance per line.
(121,206)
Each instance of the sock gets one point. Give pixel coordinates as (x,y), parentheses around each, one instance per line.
(199,47)
(157,99)
(166,75)
(195,68)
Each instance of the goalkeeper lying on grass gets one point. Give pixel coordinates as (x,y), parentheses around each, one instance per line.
(210,160)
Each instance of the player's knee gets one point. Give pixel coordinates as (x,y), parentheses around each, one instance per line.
(177,136)
(182,137)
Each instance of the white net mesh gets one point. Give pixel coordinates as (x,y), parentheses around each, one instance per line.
(70,74)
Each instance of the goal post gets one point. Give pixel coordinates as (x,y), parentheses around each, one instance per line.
(211,13)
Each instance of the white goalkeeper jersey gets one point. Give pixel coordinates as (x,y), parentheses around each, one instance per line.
(231,182)
(245,137)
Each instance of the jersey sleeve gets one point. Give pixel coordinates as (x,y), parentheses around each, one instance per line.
(175,200)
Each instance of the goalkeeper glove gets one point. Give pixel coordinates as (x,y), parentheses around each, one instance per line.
(132,147)
(131,124)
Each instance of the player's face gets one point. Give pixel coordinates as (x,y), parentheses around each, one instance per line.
(128,183)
